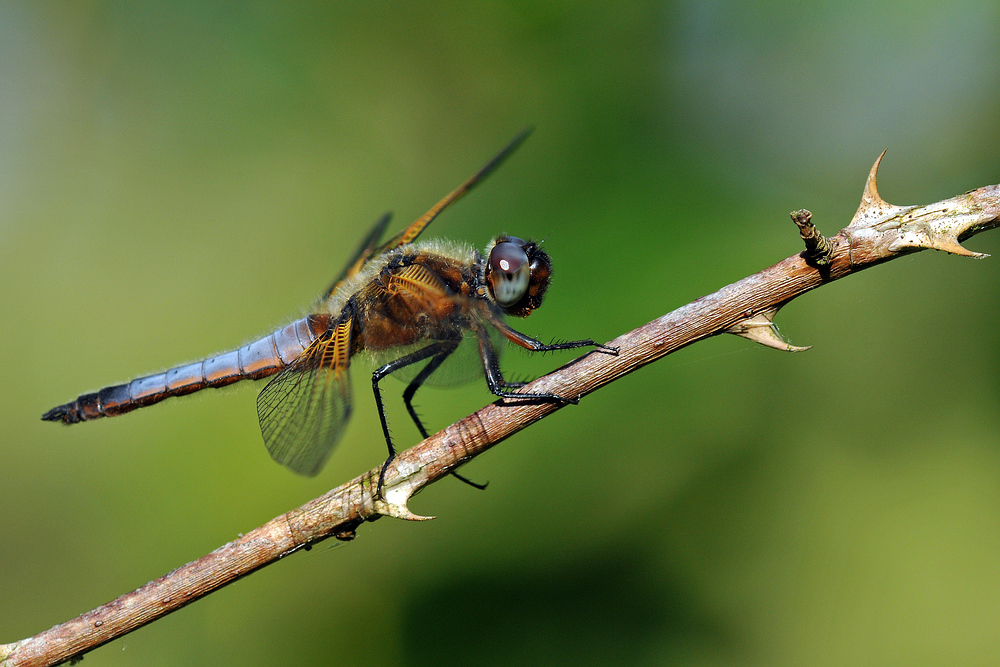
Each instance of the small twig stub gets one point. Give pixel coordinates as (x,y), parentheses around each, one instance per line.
(818,247)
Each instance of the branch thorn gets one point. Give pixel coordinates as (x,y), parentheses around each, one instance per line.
(927,238)
(760,329)
(398,511)
(873,208)
(394,495)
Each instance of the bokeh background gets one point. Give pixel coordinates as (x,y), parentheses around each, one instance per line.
(177,178)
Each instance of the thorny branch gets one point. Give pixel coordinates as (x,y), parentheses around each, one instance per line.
(879,232)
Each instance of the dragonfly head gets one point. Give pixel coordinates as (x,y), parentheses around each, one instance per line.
(517,274)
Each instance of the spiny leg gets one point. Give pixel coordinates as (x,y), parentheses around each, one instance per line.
(491,364)
(419,380)
(572,344)
(495,380)
(535,345)
(446,348)
(392,366)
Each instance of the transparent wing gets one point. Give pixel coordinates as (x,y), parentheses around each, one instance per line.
(462,366)
(369,246)
(365,251)
(304,409)
(410,234)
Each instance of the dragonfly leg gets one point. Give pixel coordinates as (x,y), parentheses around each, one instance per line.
(432,351)
(445,349)
(495,380)
(535,345)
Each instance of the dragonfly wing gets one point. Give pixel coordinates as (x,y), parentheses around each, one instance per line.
(369,246)
(410,234)
(304,410)
(364,252)
(462,366)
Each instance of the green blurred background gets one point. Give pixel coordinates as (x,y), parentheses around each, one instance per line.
(177,178)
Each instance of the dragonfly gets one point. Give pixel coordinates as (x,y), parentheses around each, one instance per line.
(411,303)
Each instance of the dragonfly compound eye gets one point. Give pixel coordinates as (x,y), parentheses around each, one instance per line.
(510,273)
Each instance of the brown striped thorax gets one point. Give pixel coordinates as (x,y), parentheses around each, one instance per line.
(414,303)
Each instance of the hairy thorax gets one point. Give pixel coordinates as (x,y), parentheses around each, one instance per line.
(414,297)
